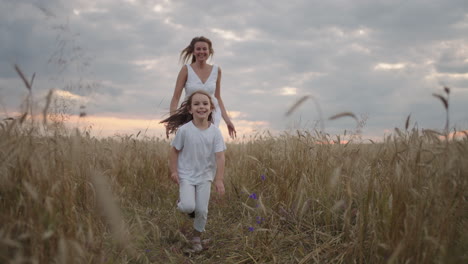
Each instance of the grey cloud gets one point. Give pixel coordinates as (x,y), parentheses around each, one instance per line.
(280,43)
(453,67)
(454,60)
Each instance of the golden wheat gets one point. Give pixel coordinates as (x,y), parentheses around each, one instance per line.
(301,197)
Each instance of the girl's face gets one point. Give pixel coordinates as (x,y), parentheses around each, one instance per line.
(200,108)
(201,51)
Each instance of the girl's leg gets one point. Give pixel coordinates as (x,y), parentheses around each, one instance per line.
(202,197)
(186,197)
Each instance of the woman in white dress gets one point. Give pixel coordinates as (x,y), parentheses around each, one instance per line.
(199,75)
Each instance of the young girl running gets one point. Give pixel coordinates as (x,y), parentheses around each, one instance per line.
(196,158)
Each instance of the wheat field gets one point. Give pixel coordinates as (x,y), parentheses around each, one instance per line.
(67,197)
(295,197)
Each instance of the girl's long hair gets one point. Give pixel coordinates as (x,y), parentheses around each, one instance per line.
(182,114)
(188,51)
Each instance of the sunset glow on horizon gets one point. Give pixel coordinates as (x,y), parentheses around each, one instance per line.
(109,126)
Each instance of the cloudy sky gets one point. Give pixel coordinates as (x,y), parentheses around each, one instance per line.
(119,59)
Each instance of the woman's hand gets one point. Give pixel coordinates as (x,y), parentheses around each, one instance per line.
(220,187)
(231,129)
(167,132)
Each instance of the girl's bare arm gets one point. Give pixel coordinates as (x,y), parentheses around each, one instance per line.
(173,158)
(219,178)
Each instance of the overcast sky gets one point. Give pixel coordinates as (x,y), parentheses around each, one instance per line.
(380,60)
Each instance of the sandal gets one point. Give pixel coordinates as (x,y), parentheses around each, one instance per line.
(197,244)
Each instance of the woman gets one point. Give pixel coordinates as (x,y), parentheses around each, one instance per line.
(199,75)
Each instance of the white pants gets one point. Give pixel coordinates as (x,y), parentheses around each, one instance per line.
(195,198)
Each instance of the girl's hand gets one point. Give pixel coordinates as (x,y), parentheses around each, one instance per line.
(219,187)
(231,129)
(175,177)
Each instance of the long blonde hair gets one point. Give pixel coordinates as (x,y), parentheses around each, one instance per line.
(188,51)
(182,114)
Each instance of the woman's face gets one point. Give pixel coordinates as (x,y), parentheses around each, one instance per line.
(201,51)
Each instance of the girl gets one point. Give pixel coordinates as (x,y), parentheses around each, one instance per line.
(196,158)
(199,75)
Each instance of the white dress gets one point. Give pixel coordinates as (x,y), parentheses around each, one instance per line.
(194,84)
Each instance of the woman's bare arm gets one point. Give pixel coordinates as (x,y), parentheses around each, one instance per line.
(224,114)
(180,84)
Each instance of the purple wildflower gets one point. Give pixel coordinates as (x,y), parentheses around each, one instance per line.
(253,196)
(263,177)
(259,220)
(251,229)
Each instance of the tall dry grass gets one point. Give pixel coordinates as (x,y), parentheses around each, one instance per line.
(67,197)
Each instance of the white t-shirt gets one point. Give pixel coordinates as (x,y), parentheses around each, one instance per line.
(198,148)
